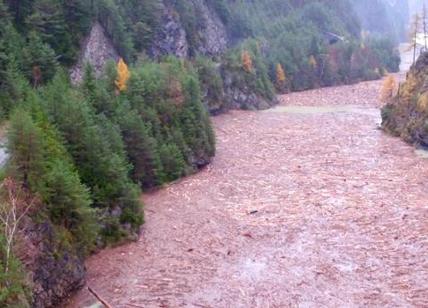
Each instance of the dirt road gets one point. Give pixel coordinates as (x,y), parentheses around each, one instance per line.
(309,206)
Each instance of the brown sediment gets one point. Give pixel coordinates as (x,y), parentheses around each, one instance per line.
(306,209)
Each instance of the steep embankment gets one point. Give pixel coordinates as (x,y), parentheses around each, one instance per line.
(406,115)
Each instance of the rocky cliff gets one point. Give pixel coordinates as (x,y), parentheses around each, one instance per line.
(55,270)
(96,50)
(406,115)
(172,37)
(207,36)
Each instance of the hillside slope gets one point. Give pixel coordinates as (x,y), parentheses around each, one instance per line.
(406,115)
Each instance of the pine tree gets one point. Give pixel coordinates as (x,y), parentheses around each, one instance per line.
(123,75)
(20,10)
(13,87)
(89,84)
(173,162)
(25,146)
(141,148)
(47,19)
(40,161)
(40,64)
(97,151)
(68,201)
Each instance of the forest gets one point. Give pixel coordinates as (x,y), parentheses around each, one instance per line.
(80,155)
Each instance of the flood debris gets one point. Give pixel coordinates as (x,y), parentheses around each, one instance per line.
(318,240)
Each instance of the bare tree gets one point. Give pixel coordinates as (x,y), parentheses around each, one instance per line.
(414,29)
(12,210)
(424,25)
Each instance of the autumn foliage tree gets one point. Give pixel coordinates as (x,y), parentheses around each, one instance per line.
(123,75)
(247,61)
(388,88)
(423,102)
(281,78)
(313,62)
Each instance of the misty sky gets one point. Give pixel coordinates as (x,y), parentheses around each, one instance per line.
(416,5)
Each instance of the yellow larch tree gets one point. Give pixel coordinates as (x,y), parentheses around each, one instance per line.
(408,89)
(423,102)
(123,75)
(281,78)
(388,89)
(247,62)
(313,62)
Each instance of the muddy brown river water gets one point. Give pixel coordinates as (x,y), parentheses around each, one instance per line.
(305,205)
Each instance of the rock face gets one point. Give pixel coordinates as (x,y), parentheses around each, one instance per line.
(54,271)
(172,39)
(96,50)
(243,97)
(214,38)
(407,114)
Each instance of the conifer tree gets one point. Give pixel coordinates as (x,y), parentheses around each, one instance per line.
(41,163)
(141,148)
(97,151)
(173,162)
(40,62)
(89,83)
(20,10)
(25,146)
(47,19)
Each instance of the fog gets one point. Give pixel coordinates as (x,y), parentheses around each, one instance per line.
(416,5)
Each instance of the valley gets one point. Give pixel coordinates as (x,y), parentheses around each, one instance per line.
(313,205)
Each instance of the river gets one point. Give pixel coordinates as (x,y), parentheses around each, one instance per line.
(309,204)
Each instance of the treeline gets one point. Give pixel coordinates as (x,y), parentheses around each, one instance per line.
(317,43)
(292,46)
(62,24)
(87,152)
